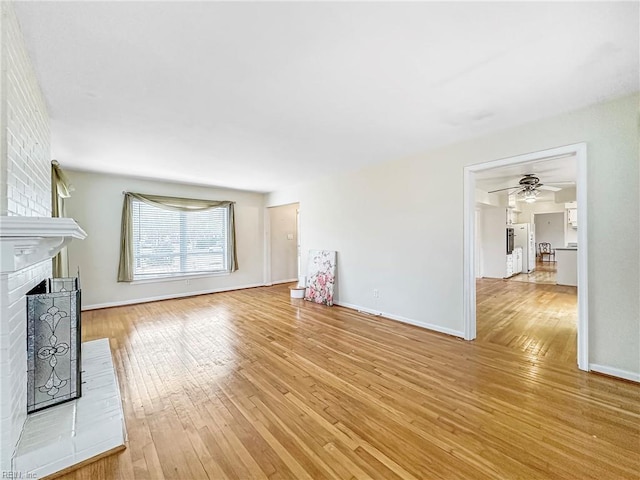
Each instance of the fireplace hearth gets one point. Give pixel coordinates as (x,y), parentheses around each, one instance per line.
(63,436)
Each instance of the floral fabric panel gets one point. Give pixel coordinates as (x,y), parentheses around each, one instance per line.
(321,276)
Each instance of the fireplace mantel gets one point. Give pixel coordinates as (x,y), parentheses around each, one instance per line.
(30,240)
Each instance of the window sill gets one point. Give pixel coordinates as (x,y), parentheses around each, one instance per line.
(179,277)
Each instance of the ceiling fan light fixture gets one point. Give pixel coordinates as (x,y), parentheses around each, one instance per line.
(530,196)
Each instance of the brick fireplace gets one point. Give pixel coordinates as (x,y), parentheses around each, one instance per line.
(28,244)
(29,239)
(65,435)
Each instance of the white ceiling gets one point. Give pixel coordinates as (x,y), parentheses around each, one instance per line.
(261,95)
(559,172)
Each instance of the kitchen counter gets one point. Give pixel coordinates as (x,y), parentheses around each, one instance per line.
(567,266)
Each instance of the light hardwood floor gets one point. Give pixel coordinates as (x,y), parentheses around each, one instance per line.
(545,272)
(537,319)
(253,384)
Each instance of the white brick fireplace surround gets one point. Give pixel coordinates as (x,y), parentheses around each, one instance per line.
(29,238)
(27,246)
(13,358)
(25,191)
(63,436)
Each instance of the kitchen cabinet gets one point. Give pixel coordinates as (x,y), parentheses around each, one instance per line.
(517,260)
(572,217)
(513,264)
(509,266)
(567,266)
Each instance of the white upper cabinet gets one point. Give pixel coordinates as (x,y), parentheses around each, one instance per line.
(572,217)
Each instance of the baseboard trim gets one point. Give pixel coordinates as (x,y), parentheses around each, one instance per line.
(398,318)
(278,282)
(615,372)
(171,296)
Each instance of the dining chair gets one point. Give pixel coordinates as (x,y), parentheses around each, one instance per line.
(544,248)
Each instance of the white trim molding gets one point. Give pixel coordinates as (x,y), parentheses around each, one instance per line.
(122,303)
(469,255)
(398,318)
(583,249)
(267,247)
(615,372)
(30,240)
(469,285)
(279,282)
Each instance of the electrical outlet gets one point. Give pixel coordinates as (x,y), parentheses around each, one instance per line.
(188,282)
(376,293)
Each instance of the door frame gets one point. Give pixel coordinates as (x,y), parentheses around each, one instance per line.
(580,151)
(267,270)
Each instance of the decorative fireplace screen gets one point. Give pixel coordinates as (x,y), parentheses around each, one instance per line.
(53,343)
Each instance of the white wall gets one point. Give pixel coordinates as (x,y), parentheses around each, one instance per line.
(478,245)
(565,195)
(284,250)
(398,226)
(24,191)
(550,228)
(528,210)
(493,231)
(96,205)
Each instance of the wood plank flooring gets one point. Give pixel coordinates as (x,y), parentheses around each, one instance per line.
(536,319)
(253,384)
(545,272)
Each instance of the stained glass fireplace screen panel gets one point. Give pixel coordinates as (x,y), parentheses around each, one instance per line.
(53,343)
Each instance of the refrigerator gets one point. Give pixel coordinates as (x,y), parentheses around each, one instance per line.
(525,237)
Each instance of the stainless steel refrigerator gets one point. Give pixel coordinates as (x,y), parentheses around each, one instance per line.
(525,237)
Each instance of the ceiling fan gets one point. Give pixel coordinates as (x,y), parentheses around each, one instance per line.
(528,187)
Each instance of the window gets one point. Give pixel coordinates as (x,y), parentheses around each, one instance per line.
(165,237)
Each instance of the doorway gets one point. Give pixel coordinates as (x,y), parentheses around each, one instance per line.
(284,247)
(470,173)
(536,319)
(547,228)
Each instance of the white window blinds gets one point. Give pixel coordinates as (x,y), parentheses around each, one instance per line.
(169,242)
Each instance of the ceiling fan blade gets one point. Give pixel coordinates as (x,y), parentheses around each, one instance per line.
(549,188)
(503,189)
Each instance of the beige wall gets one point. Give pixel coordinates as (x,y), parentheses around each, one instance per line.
(398,226)
(97,206)
(550,228)
(284,250)
(530,210)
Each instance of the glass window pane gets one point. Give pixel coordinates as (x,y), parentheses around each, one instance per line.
(168,242)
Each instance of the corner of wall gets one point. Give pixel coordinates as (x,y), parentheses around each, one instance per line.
(25,190)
